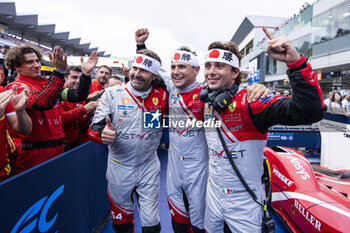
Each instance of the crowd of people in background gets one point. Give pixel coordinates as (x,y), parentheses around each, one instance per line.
(13,40)
(338,102)
(282,93)
(52,113)
(285,23)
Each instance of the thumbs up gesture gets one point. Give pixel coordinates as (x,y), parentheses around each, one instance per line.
(108,133)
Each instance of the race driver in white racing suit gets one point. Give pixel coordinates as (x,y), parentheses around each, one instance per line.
(128,118)
(244,129)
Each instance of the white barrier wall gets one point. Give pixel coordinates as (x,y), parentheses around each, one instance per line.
(335,141)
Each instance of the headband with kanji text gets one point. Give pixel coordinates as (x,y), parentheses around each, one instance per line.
(186,57)
(147,63)
(227,57)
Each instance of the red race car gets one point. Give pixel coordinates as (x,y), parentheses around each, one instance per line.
(307,200)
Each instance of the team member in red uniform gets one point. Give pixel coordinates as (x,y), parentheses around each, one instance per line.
(133,165)
(6,147)
(103,74)
(46,139)
(12,111)
(244,130)
(75,115)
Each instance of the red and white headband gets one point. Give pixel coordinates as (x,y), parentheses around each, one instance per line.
(223,56)
(186,57)
(147,63)
(227,57)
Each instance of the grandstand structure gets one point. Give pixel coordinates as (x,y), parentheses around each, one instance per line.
(22,29)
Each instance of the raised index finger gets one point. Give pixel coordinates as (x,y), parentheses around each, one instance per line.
(268,33)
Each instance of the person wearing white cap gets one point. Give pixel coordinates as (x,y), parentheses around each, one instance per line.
(286,93)
(327,102)
(241,139)
(133,165)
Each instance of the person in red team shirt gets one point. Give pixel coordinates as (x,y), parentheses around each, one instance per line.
(103,74)
(75,115)
(46,139)
(12,111)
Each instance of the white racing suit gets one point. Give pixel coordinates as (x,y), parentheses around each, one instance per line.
(244,129)
(187,170)
(133,165)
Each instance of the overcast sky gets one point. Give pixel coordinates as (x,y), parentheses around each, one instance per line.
(110,25)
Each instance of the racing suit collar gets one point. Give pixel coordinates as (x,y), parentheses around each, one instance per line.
(189,88)
(142,94)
